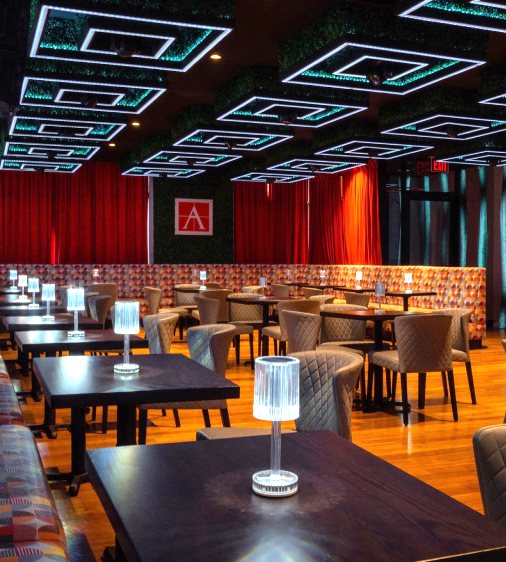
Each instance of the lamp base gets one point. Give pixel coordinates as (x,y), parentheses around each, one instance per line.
(47,317)
(202,288)
(76,333)
(24,299)
(408,291)
(12,289)
(275,485)
(126,369)
(33,305)
(358,287)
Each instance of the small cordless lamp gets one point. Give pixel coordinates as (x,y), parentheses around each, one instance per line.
(33,287)
(358,278)
(276,399)
(13,276)
(408,280)
(48,295)
(323,274)
(75,303)
(289,274)
(95,272)
(203,278)
(262,281)
(126,322)
(23,282)
(380,293)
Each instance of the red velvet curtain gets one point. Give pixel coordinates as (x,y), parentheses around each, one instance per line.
(270,223)
(93,216)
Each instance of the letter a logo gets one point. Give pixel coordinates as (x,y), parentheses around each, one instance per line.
(194,217)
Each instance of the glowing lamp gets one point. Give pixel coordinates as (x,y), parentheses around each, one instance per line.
(95,272)
(23,282)
(358,279)
(48,295)
(380,293)
(126,322)
(13,276)
(408,280)
(75,303)
(203,278)
(323,274)
(276,399)
(33,287)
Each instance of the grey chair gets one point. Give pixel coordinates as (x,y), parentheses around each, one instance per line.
(209,345)
(152,333)
(217,294)
(153,298)
(109,289)
(312,292)
(327,387)
(362,299)
(99,308)
(489,445)
(244,316)
(255,289)
(280,291)
(208,310)
(302,330)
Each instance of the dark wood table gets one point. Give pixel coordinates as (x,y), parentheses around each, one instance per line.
(193,502)
(13,299)
(51,342)
(265,303)
(406,296)
(10,291)
(355,289)
(81,382)
(23,310)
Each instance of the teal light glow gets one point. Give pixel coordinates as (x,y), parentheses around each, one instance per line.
(483,229)
(463,218)
(421,74)
(196,139)
(102,130)
(81,151)
(58,46)
(23,126)
(251,114)
(16,148)
(468,10)
(409,128)
(134,98)
(502,220)
(338,77)
(497,123)
(323,114)
(262,140)
(202,36)
(39,91)
(14,165)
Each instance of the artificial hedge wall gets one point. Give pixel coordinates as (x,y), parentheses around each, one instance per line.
(169,248)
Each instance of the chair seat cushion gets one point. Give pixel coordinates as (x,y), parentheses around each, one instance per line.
(459,356)
(386,359)
(336,346)
(243,328)
(182,311)
(34,551)
(272,332)
(196,315)
(10,411)
(234,432)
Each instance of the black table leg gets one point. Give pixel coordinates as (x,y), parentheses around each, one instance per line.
(114,554)
(24,362)
(126,433)
(378,371)
(265,322)
(405,299)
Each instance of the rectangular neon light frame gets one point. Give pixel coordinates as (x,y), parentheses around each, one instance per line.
(467,159)
(230,134)
(282,166)
(207,156)
(159,172)
(31,145)
(43,164)
(276,178)
(51,120)
(390,148)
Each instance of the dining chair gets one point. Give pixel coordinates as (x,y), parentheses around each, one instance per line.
(221,296)
(362,299)
(110,289)
(302,330)
(423,345)
(209,345)
(183,302)
(213,285)
(153,298)
(208,310)
(312,292)
(152,333)
(489,446)
(99,308)
(256,289)
(280,291)
(245,315)
(327,386)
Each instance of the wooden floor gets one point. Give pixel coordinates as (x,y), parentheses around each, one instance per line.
(432,448)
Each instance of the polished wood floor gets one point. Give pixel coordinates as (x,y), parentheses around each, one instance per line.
(432,448)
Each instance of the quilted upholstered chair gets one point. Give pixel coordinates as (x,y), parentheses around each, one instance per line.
(153,298)
(423,345)
(221,296)
(62,291)
(255,289)
(322,299)
(166,327)
(311,292)
(327,387)
(278,333)
(150,323)
(489,444)
(209,345)
(246,315)
(208,310)
(184,302)
(280,291)
(343,331)
(302,330)
(99,308)
(110,289)
(459,343)
(362,299)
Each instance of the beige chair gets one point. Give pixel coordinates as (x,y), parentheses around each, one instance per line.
(459,343)
(344,331)
(99,308)
(221,296)
(322,299)
(209,345)
(327,386)
(489,444)
(280,291)
(213,285)
(62,291)
(423,345)
(278,333)
(152,333)
(241,315)
(153,298)
(312,292)
(255,289)
(362,299)
(302,330)
(207,309)
(184,302)
(110,289)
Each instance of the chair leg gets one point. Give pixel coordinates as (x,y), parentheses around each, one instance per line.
(275,347)
(237,350)
(181,322)
(259,344)
(363,392)
(470,380)
(282,347)
(251,352)
(207,419)
(370,379)
(93,413)
(394,385)
(453,396)
(225,419)
(422,383)
(404,389)
(388,378)
(445,384)
(105,417)
(143,424)
(164,412)
(177,421)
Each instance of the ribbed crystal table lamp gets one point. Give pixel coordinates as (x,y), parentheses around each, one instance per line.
(408,280)
(33,287)
(48,295)
(323,275)
(126,322)
(95,272)
(380,293)
(75,303)
(358,279)
(276,399)
(23,282)
(203,277)
(13,277)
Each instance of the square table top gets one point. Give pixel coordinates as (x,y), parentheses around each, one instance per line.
(13,299)
(10,291)
(90,381)
(24,310)
(370,314)
(60,322)
(405,294)
(197,504)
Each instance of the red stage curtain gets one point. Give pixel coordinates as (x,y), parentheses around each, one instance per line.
(93,216)
(344,220)
(270,223)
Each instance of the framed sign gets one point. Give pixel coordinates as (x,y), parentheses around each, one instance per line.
(194,217)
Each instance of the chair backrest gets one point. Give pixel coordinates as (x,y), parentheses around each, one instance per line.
(150,323)
(210,345)
(322,299)
(459,328)
(489,444)
(62,290)
(362,299)
(87,297)
(302,329)
(209,310)
(303,305)
(342,329)
(256,289)
(110,289)
(311,292)
(153,297)
(327,388)
(166,327)
(280,291)
(99,307)
(239,312)
(182,298)
(221,296)
(423,343)
(212,285)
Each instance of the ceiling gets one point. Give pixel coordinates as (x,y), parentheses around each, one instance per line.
(121,77)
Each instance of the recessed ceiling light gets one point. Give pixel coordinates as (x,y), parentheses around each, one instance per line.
(135,123)
(112,145)
(215,56)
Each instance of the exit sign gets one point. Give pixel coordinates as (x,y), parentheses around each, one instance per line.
(431,166)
